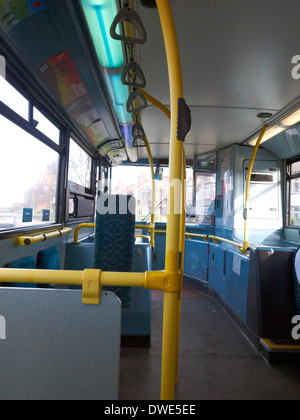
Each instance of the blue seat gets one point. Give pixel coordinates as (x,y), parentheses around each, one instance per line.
(115,239)
(48,259)
(26,263)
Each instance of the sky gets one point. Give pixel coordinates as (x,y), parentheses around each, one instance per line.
(23,159)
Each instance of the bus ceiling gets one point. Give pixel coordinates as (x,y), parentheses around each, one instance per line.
(92,61)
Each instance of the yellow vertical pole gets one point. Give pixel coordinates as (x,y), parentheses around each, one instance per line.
(170,316)
(152,231)
(247,195)
(182,253)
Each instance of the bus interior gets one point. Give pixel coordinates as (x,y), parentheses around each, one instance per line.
(150,199)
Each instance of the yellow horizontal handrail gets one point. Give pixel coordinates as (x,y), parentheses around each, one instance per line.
(143,237)
(30,240)
(92,280)
(197,235)
(93,225)
(145,227)
(218,239)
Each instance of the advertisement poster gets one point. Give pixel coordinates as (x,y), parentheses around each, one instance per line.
(62,77)
(12,12)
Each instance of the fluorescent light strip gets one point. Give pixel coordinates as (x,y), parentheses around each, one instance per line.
(279,128)
(100,15)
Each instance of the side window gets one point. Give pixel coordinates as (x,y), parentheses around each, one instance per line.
(45,126)
(80,166)
(13,99)
(205,194)
(28,173)
(136,181)
(293,204)
(81,198)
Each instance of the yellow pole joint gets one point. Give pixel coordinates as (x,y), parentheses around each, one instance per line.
(91,287)
(163,280)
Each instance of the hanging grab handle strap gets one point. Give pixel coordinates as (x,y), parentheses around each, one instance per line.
(129,15)
(133,75)
(142,103)
(139,136)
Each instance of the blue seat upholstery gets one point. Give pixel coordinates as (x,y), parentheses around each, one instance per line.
(26,263)
(114,240)
(48,259)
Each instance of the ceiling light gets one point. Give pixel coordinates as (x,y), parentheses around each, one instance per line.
(100,15)
(281,126)
(292,119)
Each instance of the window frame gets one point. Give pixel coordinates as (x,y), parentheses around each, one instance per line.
(88,194)
(61,148)
(290,177)
(38,98)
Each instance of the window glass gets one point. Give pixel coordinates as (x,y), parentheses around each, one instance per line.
(28,173)
(295,168)
(294,202)
(12,98)
(204,212)
(46,126)
(80,166)
(136,181)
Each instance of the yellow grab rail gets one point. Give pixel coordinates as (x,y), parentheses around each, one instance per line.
(30,240)
(247,196)
(145,227)
(92,280)
(79,227)
(170,315)
(150,228)
(197,235)
(156,103)
(218,239)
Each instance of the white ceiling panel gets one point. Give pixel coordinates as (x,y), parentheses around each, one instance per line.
(236,60)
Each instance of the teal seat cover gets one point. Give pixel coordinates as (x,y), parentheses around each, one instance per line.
(27,263)
(48,259)
(114,240)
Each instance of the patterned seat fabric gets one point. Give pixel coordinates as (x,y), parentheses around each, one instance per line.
(26,263)
(48,259)
(115,238)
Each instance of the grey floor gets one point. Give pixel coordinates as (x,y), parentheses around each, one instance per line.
(216,361)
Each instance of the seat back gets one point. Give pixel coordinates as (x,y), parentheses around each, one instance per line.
(48,259)
(26,263)
(56,348)
(115,238)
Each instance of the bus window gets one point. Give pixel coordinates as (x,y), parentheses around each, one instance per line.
(136,181)
(45,126)
(80,166)
(81,198)
(294,193)
(204,211)
(28,173)
(13,99)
